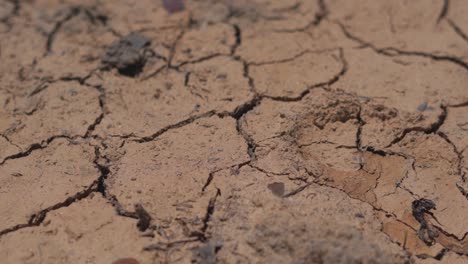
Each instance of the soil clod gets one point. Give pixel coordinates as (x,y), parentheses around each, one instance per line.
(207,253)
(127,54)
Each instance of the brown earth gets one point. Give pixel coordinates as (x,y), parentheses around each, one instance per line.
(241,131)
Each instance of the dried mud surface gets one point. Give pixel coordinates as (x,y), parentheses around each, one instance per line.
(266,131)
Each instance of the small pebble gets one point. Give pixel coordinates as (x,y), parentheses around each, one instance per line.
(173,6)
(277,188)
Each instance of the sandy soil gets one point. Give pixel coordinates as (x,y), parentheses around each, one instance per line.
(243,131)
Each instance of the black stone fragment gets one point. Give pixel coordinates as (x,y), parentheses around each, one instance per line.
(420,208)
(144,219)
(127,54)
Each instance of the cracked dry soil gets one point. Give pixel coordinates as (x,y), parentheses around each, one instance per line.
(266,131)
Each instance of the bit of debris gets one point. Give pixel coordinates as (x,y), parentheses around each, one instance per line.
(127,54)
(277,188)
(144,219)
(173,6)
(207,253)
(426,232)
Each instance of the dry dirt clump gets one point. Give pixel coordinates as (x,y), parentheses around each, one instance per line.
(216,131)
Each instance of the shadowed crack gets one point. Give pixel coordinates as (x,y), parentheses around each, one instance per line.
(37,218)
(37,146)
(376,209)
(101,163)
(174,126)
(202,59)
(427,130)
(463,104)
(443,11)
(74,11)
(92,126)
(201,234)
(292,58)
(463,191)
(457,152)
(9,141)
(156,72)
(102,106)
(174,46)
(458,30)
(44,83)
(243,109)
(246,74)
(209,212)
(211,175)
(251,146)
(321,15)
(334,79)
(43,144)
(441,254)
(238,37)
(99,186)
(398,185)
(392,52)
(296,191)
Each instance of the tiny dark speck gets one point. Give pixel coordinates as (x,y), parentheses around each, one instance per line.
(359,215)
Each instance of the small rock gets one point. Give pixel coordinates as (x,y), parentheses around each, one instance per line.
(173,6)
(144,218)
(277,188)
(207,253)
(127,54)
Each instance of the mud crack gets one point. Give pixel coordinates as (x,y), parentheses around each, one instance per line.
(433,128)
(74,11)
(392,52)
(458,30)
(325,85)
(37,218)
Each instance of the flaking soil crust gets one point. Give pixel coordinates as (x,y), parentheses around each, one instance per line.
(265,131)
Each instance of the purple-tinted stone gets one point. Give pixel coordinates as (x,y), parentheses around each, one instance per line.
(173,6)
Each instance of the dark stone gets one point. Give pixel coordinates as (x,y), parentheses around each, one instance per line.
(277,188)
(144,218)
(127,54)
(420,208)
(173,6)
